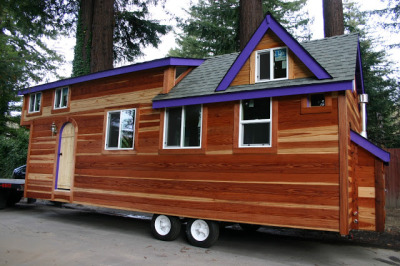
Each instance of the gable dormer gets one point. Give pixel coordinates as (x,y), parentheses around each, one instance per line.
(271,60)
(271,49)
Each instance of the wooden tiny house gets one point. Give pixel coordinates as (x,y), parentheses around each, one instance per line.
(267,136)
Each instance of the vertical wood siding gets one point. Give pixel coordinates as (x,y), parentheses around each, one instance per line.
(392,176)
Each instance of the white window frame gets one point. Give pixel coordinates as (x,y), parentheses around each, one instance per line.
(55,98)
(34,102)
(183,115)
(271,63)
(254,121)
(119,132)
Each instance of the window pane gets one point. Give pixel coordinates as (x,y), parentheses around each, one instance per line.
(64,99)
(280,63)
(174,120)
(192,126)
(256,109)
(37,102)
(32,102)
(127,128)
(264,65)
(57,99)
(317,99)
(256,134)
(113,129)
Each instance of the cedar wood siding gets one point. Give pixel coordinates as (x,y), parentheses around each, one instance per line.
(296,185)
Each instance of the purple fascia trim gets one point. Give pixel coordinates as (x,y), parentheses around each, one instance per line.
(360,75)
(270,23)
(367,145)
(170,61)
(243,95)
(58,154)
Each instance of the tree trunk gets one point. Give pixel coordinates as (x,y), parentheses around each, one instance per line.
(102,35)
(333,17)
(251,15)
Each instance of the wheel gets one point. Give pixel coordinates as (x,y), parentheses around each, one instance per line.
(166,228)
(202,233)
(31,200)
(3,199)
(250,227)
(14,198)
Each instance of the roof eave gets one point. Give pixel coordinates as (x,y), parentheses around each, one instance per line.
(163,62)
(370,147)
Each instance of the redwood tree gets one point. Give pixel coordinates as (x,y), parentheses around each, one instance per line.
(333,17)
(251,15)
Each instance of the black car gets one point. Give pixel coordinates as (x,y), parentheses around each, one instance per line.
(19,172)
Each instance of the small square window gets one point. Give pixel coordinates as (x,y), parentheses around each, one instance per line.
(35,100)
(272,64)
(317,99)
(120,129)
(61,98)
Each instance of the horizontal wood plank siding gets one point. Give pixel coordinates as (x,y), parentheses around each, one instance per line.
(296,186)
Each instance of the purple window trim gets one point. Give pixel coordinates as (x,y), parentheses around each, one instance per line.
(169,61)
(243,95)
(58,154)
(369,146)
(270,23)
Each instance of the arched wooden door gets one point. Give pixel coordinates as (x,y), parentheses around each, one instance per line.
(65,162)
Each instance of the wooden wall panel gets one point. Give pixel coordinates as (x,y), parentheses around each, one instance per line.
(282,189)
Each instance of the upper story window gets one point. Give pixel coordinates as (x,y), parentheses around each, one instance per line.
(183,127)
(272,64)
(120,129)
(35,100)
(255,123)
(61,98)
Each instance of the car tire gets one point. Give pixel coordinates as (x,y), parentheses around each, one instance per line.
(166,228)
(202,233)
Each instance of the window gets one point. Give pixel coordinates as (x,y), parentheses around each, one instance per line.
(61,98)
(35,100)
(120,129)
(272,64)
(255,123)
(317,99)
(183,127)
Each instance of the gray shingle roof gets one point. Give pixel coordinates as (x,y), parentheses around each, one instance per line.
(338,55)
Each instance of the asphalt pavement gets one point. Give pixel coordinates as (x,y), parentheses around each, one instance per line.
(42,234)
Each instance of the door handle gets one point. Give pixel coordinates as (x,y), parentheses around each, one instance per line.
(60,154)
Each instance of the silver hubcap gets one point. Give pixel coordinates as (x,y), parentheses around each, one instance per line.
(162,225)
(200,230)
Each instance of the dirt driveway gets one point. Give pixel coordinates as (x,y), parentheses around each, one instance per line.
(42,234)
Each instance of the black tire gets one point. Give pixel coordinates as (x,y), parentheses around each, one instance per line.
(3,199)
(166,228)
(202,233)
(31,200)
(250,227)
(13,198)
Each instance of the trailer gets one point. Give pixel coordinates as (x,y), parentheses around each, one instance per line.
(273,135)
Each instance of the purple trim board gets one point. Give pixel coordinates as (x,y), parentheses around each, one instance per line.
(369,146)
(169,61)
(270,23)
(58,153)
(243,95)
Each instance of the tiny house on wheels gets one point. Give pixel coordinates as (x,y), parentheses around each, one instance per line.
(274,135)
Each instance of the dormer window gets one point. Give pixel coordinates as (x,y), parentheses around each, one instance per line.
(271,64)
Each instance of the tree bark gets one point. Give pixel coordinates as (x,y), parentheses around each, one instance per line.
(333,17)
(87,20)
(251,15)
(102,35)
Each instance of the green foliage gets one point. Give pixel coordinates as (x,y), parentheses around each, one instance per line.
(132,31)
(380,82)
(213,26)
(389,17)
(13,150)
